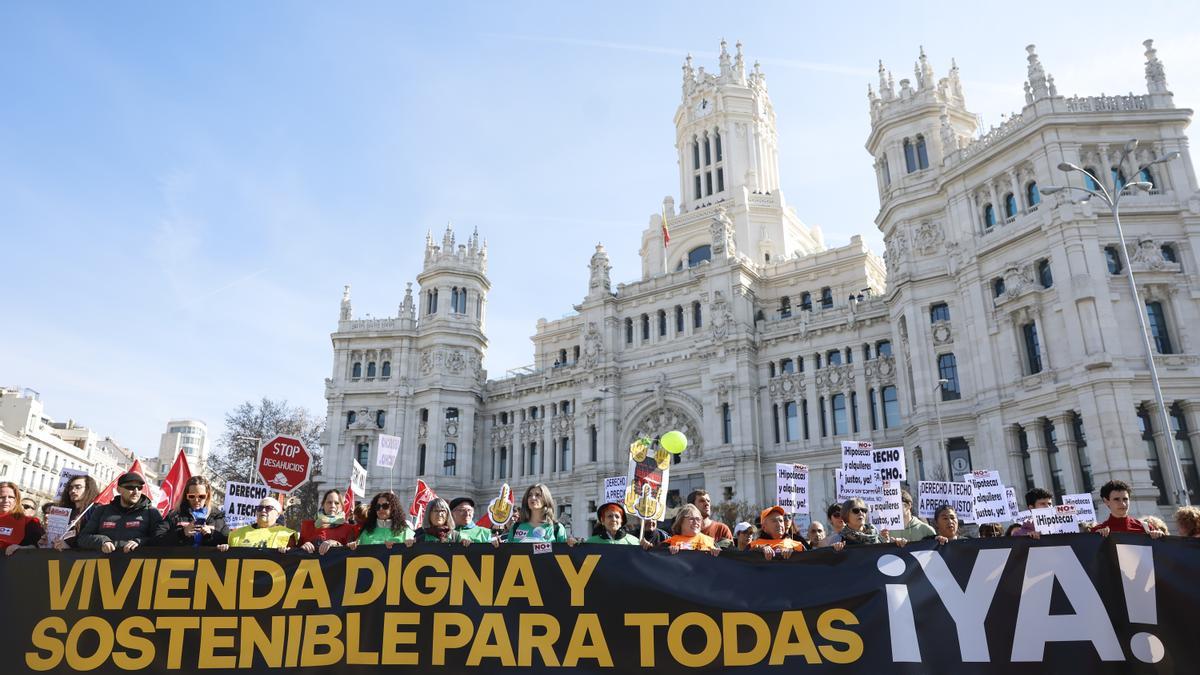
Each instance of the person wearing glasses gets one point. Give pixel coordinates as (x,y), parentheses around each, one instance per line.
(857,531)
(439,525)
(263,532)
(834,515)
(463,511)
(196,522)
(772,539)
(329,529)
(77,495)
(385,524)
(125,523)
(1116,494)
(18,529)
(686,534)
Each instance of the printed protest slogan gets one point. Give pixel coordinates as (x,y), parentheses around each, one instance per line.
(791,487)
(1071,603)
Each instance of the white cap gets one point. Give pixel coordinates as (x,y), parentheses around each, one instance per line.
(741,527)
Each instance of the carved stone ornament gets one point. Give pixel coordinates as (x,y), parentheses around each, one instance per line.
(720,317)
(452,428)
(1148,256)
(786,386)
(455,362)
(593,347)
(427,362)
(600,269)
(422,429)
(942,333)
(928,238)
(722,233)
(661,420)
(881,370)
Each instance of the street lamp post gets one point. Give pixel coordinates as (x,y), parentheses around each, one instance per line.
(937,409)
(1114,204)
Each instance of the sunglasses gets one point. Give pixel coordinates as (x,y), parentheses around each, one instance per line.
(132,486)
(199,496)
(383,507)
(859,510)
(265,509)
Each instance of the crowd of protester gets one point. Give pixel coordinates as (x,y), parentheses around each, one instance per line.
(130,521)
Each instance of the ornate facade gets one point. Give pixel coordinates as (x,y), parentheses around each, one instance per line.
(997,316)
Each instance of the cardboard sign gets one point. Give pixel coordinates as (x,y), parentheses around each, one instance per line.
(241,502)
(935,493)
(358,478)
(857,456)
(647,479)
(889,462)
(791,487)
(614,489)
(1055,520)
(1085,508)
(991,502)
(389,447)
(57,522)
(888,513)
(858,484)
(1010,496)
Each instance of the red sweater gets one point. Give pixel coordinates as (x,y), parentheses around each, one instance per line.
(21,530)
(1125,524)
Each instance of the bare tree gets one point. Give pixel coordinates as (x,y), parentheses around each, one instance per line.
(732,513)
(246,426)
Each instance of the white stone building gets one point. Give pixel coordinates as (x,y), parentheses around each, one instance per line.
(34,449)
(188,435)
(763,345)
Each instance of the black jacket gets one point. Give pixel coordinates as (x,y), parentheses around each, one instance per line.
(117,524)
(170,531)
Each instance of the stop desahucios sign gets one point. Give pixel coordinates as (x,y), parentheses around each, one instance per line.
(284,463)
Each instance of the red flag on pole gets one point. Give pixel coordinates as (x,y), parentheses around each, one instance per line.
(172,486)
(421,499)
(348,502)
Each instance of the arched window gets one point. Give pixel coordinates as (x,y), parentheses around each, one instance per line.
(380,419)
(696,319)
(662,323)
(698,255)
(386,370)
(562,357)
(998,287)
(1044,274)
(771,369)
(885,170)
(1087,178)
(628,331)
(696,185)
(891,408)
(1033,196)
(717,142)
(1158,327)
(826,298)
(989,216)
(707,150)
(1168,253)
(645,326)
(1033,348)
(883,348)
(350,417)
(910,157)
(679,319)
(1118,178)
(1010,205)
(695,155)
(922,153)
(838,403)
(356,370)
(1113,259)
(785,307)
(939,312)
(371,369)
(451,414)
(364,454)
(948,370)
(787,366)
(833,358)
(450,463)
(454,299)
(806,301)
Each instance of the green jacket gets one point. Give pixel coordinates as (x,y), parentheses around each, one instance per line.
(383,535)
(916,531)
(475,535)
(627,538)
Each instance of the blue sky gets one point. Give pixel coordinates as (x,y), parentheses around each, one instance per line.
(184,189)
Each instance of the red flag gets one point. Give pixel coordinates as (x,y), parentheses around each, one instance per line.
(424,495)
(109,493)
(666,234)
(348,502)
(172,486)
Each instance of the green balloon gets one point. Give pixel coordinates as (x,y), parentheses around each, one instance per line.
(673,442)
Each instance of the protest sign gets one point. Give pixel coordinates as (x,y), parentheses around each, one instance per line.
(991,503)
(358,478)
(1010,496)
(859,478)
(889,462)
(389,447)
(791,487)
(1085,508)
(864,485)
(57,522)
(935,493)
(1055,520)
(241,502)
(888,513)
(614,489)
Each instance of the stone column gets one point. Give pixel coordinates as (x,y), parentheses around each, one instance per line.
(1016,463)
(1068,452)
(1162,437)
(1039,456)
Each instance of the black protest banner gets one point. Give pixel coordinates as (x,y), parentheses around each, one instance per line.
(1065,603)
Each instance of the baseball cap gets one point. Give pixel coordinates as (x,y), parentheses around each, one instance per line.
(454,503)
(130,477)
(741,527)
(762,518)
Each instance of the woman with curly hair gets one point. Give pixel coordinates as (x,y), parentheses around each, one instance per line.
(535,520)
(1187,519)
(385,523)
(77,495)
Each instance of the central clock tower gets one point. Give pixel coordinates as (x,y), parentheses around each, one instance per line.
(725,132)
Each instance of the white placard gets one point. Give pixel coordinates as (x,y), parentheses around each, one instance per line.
(864,485)
(389,447)
(991,502)
(542,547)
(57,522)
(888,514)
(358,478)
(241,502)
(791,487)
(856,455)
(614,489)
(1010,495)
(935,493)
(65,476)
(1055,520)
(1085,508)
(889,462)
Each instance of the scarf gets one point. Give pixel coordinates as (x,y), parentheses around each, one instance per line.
(323,521)
(440,532)
(197,535)
(868,535)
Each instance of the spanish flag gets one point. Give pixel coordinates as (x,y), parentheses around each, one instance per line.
(666,234)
